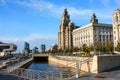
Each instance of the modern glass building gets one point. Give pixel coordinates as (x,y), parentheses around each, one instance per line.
(43,48)
(26,48)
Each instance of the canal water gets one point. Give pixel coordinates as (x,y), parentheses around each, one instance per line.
(41,66)
(45,68)
(48,69)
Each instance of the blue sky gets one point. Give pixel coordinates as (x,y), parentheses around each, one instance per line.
(37,21)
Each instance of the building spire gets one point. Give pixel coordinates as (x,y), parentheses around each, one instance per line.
(93,18)
(65,17)
(65,12)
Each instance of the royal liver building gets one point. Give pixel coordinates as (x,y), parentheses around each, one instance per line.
(65,39)
(116,26)
(71,36)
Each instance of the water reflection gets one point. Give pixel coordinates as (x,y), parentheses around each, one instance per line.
(41,66)
(45,68)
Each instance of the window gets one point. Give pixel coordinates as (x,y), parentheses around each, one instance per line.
(116,18)
(95,36)
(115,37)
(103,39)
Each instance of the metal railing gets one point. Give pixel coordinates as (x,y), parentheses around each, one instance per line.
(13,67)
(60,73)
(75,64)
(51,74)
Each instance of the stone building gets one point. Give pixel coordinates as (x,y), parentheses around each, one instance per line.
(116,26)
(65,31)
(92,33)
(71,36)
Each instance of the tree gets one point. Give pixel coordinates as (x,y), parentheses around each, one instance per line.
(75,49)
(109,46)
(60,51)
(118,46)
(67,50)
(85,49)
(98,46)
(91,48)
(71,50)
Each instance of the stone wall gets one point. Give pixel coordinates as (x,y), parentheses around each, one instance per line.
(106,62)
(86,66)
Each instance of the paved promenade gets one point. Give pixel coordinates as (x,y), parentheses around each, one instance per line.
(8,77)
(113,74)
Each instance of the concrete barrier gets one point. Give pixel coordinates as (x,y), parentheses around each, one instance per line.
(84,66)
(97,64)
(105,62)
(17,65)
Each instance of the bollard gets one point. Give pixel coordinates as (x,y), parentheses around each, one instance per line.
(77,70)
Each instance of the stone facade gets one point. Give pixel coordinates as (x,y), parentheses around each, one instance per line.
(116,26)
(92,33)
(65,31)
(71,36)
(104,63)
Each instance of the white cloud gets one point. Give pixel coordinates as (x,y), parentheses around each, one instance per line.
(42,6)
(106,3)
(75,11)
(2,2)
(29,38)
(56,10)
(7,39)
(33,39)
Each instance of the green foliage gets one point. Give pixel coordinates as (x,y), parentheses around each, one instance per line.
(67,50)
(91,48)
(86,49)
(98,46)
(76,49)
(83,53)
(118,46)
(60,51)
(109,46)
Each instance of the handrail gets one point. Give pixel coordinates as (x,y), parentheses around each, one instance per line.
(59,73)
(17,65)
(73,62)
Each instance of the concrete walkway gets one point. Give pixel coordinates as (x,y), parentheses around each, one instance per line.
(114,75)
(9,77)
